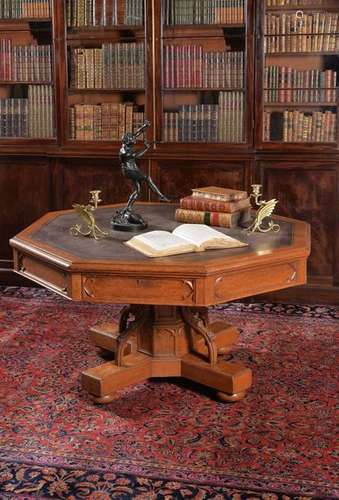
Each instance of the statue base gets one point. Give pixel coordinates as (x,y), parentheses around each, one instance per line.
(128,226)
(126,220)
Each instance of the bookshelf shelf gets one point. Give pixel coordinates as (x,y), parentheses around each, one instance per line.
(98,28)
(199,89)
(301,88)
(301,54)
(21,82)
(304,9)
(27,140)
(302,34)
(106,34)
(101,28)
(204,31)
(25,20)
(298,143)
(105,91)
(26,27)
(300,105)
(90,142)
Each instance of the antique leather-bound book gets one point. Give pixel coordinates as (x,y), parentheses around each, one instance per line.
(219,193)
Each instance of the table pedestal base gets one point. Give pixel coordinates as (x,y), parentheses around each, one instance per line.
(166,341)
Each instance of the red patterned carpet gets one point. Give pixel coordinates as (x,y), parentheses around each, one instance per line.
(166,439)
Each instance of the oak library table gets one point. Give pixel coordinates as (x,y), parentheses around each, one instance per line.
(165,331)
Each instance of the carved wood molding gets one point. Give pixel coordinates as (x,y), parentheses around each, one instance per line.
(293,275)
(129,327)
(191,289)
(87,283)
(217,284)
(198,325)
(21,266)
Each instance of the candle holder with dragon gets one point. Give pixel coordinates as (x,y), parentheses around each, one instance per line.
(89,227)
(263,220)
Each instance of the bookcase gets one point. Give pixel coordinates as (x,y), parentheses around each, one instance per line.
(204,72)
(131,59)
(106,69)
(299,73)
(237,92)
(27,86)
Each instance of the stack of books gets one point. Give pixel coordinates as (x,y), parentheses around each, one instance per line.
(215,206)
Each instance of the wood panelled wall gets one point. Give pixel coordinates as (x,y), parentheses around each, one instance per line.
(307,188)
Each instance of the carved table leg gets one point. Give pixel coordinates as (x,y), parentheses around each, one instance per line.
(166,341)
(104,336)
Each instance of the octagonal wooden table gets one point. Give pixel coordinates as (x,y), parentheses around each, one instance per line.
(165,330)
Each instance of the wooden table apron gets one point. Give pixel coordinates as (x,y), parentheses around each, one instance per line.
(165,331)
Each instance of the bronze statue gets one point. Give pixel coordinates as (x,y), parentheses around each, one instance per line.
(125,219)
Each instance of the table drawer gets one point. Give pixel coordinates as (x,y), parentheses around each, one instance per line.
(248,282)
(138,290)
(43,274)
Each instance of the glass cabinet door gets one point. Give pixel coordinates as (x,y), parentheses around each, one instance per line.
(106,68)
(300,72)
(204,95)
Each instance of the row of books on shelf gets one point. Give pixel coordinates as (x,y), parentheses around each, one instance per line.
(203,12)
(103,122)
(299,3)
(317,23)
(192,66)
(286,84)
(297,126)
(301,43)
(305,96)
(222,122)
(25,63)
(94,13)
(113,66)
(30,117)
(20,9)
(215,206)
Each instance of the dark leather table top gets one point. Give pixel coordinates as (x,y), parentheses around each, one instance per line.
(56,233)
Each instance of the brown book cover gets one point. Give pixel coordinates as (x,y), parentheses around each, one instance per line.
(129,117)
(71,121)
(115,120)
(210,205)
(208,218)
(97,123)
(219,193)
(106,133)
(80,65)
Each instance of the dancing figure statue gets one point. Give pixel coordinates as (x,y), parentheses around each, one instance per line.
(125,219)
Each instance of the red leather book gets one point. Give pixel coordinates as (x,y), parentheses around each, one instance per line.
(210,205)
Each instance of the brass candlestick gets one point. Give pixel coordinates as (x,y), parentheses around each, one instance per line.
(263,220)
(86,212)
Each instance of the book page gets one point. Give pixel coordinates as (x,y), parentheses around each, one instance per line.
(206,237)
(160,243)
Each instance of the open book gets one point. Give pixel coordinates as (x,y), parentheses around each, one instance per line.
(184,239)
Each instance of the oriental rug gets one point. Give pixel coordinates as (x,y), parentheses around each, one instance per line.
(166,439)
